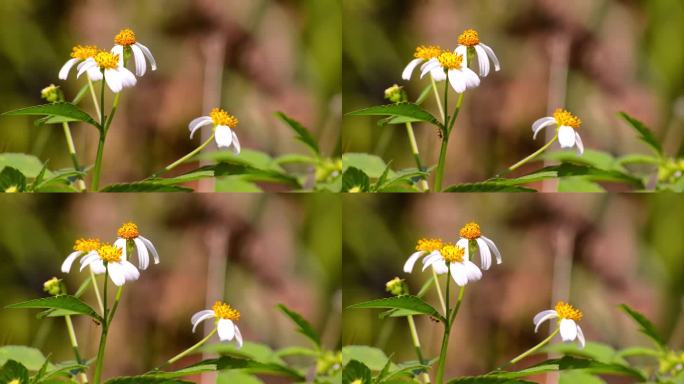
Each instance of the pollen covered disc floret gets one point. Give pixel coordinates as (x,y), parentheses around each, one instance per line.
(450,60)
(80,54)
(469,38)
(109,259)
(110,65)
(109,253)
(423,55)
(452,66)
(424,247)
(427,52)
(86,245)
(221,117)
(125,37)
(83,52)
(225,311)
(564,117)
(128,231)
(451,258)
(106,60)
(567,311)
(470,231)
(452,253)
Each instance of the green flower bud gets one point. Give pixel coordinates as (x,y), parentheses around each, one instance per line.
(54,287)
(329,363)
(397,287)
(52,94)
(396,94)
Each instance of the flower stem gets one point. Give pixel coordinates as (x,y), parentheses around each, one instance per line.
(440,166)
(94,96)
(446,132)
(416,345)
(535,348)
(72,153)
(457,306)
(439,290)
(95,183)
(97,290)
(445,338)
(532,156)
(439,102)
(117,298)
(191,349)
(416,154)
(74,346)
(103,336)
(184,158)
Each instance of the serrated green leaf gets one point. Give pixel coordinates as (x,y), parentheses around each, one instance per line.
(65,109)
(236,377)
(578,184)
(145,380)
(567,170)
(356,370)
(645,134)
(409,111)
(304,327)
(487,380)
(303,134)
(411,304)
(235,184)
(65,302)
(645,325)
(571,363)
(144,187)
(371,165)
(251,366)
(487,186)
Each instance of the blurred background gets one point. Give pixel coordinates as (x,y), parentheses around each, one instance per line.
(594,251)
(253,252)
(252,58)
(595,57)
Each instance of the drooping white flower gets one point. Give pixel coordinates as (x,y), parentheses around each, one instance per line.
(226,325)
(567,316)
(452,258)
(126,40)
(109,257)
(82,247)
(423,248)
(116,76)
(471,232)
(423,54)
(567,125)
(79,54)
(129,232)
(224,125)
(470,39)
(454,67)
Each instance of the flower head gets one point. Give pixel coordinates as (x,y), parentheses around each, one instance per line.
(221,117)
(110,259)
(80,54)
(110,65)
(452,253)
(125,37)
(81,248)
(424,247)
(423,55)
(224,124)
(470,40)
(472,234)
(54,287)
(567,125)
(106,60)
(225,311)
(427,52)
(396,94)
(470,231)
(127,43)
(453,66)
(397,287)
(568,317)
(129,232)
(83,52)
(52,94)
(225,325)
(109,253)
(452,259)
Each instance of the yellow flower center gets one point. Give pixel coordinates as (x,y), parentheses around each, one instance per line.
(357,381)
(427,52)
(83,52)
(106,60)
(450,60)
(429,245)
(469,38)
(564,117)
(15,381)
(470,231)
(128,231)
(87,245)
(109,253)
(567,311)
(452,253)
(12,189)
(125,37)
(225,311)
(221,117)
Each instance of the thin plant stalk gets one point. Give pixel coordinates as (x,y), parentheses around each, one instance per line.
(439,290)
(535,348)
(416,345)
(184,158)
(534,155)
(445,338)
(100,145)
(103,336)
(72,153)
(97,290)
(446,132)
(416,154)
(439,102)
(74,346)
(191,349)
(94,96)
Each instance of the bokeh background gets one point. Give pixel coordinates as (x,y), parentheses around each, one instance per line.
(594,251)
(253,58)
(596,57)
(252,251)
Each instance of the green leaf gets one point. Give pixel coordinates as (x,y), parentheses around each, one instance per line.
(254,351)
(65,109)
(145,380)
(12,370)
(11,180)
(255,367)
(29,165)
(409,111)
(638,159)
(356,370)
(303,134)
(567,170)
(646,327)
(572,363)
(374,358)
(578,377)
(32,358)
(296,351)
(236,377)
(487,380)
(235,184)
(66,302)
(371,165)
(645,134)
(487,186)
(578,184)
(355,180)
(253,174)
(305,328)
(412,304)
(144,187)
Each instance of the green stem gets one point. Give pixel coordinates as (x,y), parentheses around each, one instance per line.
(72,153)
(439,290)
(446,132)
(445,338)
(74,345)
(97,290)
(440,166)
(190,350)
(457,306)
(103,336)
(95,184)
(117,298)
(94,96)
(532,156)
(416,345)
(535,348)
(439,102)
(416,154)
(184,158)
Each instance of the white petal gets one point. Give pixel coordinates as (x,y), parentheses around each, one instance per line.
(493,248)
(143,255)
(148,54)
(117,274)
(492,56)
(89,63)
(224,136)
(482,60)
(139,60)
(542,316)
(119,51)
(94,74)
(66,265)
(440,267)
(238,336)
(127,77)
(568,330)
(236,144)
(98,267)
(88,259)
(459,274)
(66,68)
(200,316)
(113,80)
(580,336)
(432,64)
(580,144)
(463,51)
(151,248)
(431,258)
(121,244)
(485,254)
(464,243)
(438,74)
(473,272)
(129,270)
(411,261)
(457,81)
(226,329)
(471,78)
(408,71)
(541,124)
(566,136)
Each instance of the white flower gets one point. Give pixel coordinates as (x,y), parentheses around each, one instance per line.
(470,39)
(227,317)
(126,40)
(116,76)
(423,55)
(567,124)
(462,270)
(120,270)
(82,247)
(454,66)
(129,232)
(471,232)
(79,54)
(568,315)
(423,248)
(224,125)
